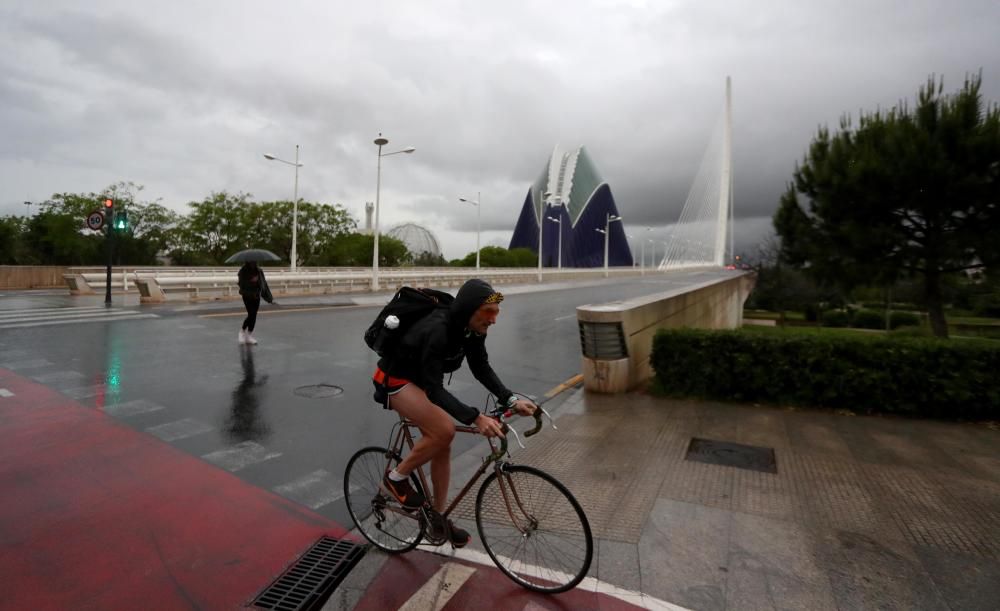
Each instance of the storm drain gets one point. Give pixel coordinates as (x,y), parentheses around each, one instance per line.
(732,455)
(310,581)
(319,391)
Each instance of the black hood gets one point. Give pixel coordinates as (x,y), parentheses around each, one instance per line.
(473,294)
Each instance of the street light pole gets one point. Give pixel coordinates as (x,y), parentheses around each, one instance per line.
(541,226)
(380,141)
(559,221)
(28,204)
(295,203)
(479,216)
(610,218)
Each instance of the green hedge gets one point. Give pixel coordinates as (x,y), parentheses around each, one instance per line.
(869,373)
(868,319)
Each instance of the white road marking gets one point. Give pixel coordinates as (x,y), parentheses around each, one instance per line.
(240,456)
(179,429)
(439,589)
(589,583)
(5,393)
(313,490)
(77,321)
(573,315)
(131,408)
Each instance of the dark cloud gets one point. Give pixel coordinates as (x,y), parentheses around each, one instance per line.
(186,100)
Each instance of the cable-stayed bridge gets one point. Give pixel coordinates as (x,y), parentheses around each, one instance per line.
(703,235)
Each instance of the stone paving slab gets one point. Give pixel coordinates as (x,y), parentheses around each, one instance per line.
(864,512)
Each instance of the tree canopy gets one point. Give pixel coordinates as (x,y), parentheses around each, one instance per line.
(907,193)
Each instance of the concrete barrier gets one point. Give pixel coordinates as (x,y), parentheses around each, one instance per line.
(617,338)
(167,285)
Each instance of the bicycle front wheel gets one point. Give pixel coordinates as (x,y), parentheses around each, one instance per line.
(378,517)
(533,529)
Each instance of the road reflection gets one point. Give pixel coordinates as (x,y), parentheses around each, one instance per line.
(245,422)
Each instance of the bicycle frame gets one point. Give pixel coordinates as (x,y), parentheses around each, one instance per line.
(404,436)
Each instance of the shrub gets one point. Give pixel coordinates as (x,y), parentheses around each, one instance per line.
(868,319)
(861,372)
(903,319)
(834,318)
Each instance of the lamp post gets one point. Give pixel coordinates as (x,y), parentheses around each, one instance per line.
(652,255)
(559,222)
(479,216)
(541,223)
(380,142)
(295,202)
(610,218)
(28,204)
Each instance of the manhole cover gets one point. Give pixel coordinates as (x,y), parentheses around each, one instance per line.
(308,583)
(732,455)
(319,391)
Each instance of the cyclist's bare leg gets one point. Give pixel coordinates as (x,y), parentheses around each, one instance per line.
(437,430)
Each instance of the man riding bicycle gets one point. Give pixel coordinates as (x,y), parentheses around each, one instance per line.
(414,379)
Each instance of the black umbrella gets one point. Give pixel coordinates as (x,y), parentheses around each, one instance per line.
(253,254)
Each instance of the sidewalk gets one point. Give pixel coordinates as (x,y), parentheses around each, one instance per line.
(863,512)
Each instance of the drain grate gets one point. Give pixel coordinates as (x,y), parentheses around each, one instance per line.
(732,455)
(310,581)
(319,391)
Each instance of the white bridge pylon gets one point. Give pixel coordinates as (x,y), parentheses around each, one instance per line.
(703,235)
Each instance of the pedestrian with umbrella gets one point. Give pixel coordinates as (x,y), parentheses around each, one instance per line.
(253,287)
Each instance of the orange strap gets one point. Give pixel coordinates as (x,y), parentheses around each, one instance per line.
(380,377)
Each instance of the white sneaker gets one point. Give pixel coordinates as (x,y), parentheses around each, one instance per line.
(243,337)
(250,339)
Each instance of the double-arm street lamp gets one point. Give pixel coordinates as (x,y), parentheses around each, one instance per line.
(610,218)
(479,216)
(295,202)
(380,142)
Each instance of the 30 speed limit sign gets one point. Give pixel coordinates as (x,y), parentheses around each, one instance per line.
(96,220)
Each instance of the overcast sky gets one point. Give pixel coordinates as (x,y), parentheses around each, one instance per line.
(184,97)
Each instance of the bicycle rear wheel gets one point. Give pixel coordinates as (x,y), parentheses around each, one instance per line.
(533,529)
(378,516)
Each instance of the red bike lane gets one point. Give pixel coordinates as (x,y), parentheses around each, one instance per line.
(98,515)
(420,580)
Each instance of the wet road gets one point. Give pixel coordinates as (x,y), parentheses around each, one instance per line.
(182,377)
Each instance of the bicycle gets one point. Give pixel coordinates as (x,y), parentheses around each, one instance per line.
(531,526)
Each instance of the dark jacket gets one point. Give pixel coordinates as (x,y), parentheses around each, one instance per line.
(254,289)
(437,344)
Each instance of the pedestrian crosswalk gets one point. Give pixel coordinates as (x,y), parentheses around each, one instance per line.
(40,317)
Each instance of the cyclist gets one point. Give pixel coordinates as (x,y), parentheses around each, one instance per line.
(414,379)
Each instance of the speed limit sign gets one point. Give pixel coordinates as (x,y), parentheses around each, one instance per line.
(96,220)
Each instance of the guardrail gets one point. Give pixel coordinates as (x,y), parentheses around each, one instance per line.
(163,284)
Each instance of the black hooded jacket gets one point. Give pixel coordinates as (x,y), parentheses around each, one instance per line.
(437,344)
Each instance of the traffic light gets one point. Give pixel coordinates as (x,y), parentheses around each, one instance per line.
(109,204)
(121,221)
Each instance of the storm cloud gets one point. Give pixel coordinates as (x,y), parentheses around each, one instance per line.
(185,97)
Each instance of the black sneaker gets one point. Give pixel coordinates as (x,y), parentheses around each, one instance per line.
(404,493)
(459,537)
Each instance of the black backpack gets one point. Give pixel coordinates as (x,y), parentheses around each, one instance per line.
(408,305)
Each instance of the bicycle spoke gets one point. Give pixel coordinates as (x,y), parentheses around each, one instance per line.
(378,518)
(534,530)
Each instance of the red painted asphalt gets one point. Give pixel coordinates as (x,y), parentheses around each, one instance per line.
(98,515)
(487,588)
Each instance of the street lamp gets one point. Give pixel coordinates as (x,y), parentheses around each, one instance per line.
(295,201)
(479,216)
(541,223)
(610,218)
(652,255)
(380,141)
(28,204)
(559,221)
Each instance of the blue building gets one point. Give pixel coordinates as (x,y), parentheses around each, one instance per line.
(571,190)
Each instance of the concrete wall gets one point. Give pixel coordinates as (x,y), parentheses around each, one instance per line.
(717,304)
(31,276)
